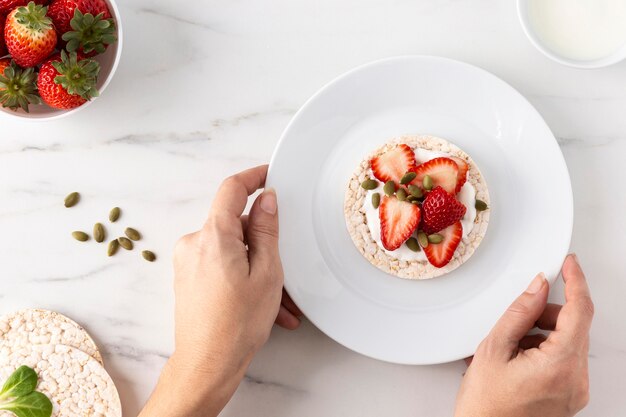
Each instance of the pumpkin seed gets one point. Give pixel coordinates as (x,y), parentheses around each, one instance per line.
(98,232)
(376,200)
(415,191)
(72,199)
(113,247)
(427,182)
(435,238)
(80,236)
(114,214)
(481,205)
(422,239)
(125,243)
(401,194)
(132,234)
(148,256)
(408,177)
(413,245)
(369,184)
(389,188)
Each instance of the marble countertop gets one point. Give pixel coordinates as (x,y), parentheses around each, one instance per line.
(205,90)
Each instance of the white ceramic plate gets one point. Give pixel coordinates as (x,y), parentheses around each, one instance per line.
(388,318)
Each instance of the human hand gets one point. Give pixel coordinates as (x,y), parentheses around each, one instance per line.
(515,375)
(228,285)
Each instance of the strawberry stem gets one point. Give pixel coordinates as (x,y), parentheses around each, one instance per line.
(77,76)
(91,33)
(34,17)
(18,87)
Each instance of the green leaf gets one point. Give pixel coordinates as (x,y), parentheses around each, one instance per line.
(23,381)
(34,404)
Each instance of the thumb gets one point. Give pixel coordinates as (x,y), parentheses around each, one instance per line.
(519,318)
(262,232)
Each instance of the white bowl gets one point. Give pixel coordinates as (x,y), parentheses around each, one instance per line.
(108,64)
(522,11)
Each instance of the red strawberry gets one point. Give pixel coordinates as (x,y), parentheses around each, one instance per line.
(440,209)
(3,48)
(398,221)
(18,87)
(462,175)
(443,172)
(440,254)
(29,35)
(68,81)
(393,164)
(86,25)
(7,5)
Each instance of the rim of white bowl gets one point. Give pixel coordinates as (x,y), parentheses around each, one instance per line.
(64,113)
(606,61)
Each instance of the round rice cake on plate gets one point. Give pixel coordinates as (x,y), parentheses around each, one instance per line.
(42,327)
(360,231)
(75,383)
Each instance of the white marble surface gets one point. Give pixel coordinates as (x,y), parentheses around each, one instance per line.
(205,89)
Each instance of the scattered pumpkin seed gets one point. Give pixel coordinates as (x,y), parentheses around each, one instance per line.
(125,243)
(413,245)
(401,194)
(369,184)
(113,247)
(148,256)
(98,232)
(80,236)
(72,199)
(427,182)
(422,239)
(132,234)
(481,205)
(408,177)
(389,188)
(376,200)
(435,238)
(415,191)
(114,214)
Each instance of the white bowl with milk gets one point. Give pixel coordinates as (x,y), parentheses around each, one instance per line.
(577,33)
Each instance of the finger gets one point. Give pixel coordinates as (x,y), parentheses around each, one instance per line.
(532,341)
(232,196)
(576,314)
(290,305)
(262,236)
(547,320)
(518,319)
(286,319)
(244,223)
(468,361)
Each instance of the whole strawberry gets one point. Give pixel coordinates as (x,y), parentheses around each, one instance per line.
(18,86)
(29,35)
(7,5)
(440,209)
(3,48)
(67,81)
(86,25)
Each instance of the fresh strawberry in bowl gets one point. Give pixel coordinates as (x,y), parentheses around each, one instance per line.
(62,97)
(67,81)
(7,5)
(18,87)
(3,48)
(29,35)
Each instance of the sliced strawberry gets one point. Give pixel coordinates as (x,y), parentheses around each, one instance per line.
(393,164)
(440,209)
(398,221)
(462,175)
(440,254)
(443,171)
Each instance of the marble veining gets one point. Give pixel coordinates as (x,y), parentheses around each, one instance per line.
(206,90)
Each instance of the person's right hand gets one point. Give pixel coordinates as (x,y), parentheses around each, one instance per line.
(515,375)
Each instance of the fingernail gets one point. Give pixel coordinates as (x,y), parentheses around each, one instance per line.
(536,284)
(268,201)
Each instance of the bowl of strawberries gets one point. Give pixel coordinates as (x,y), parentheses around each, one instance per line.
(56,56)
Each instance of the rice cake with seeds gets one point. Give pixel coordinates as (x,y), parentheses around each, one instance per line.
(42,327)
(357,198)
(75,382)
